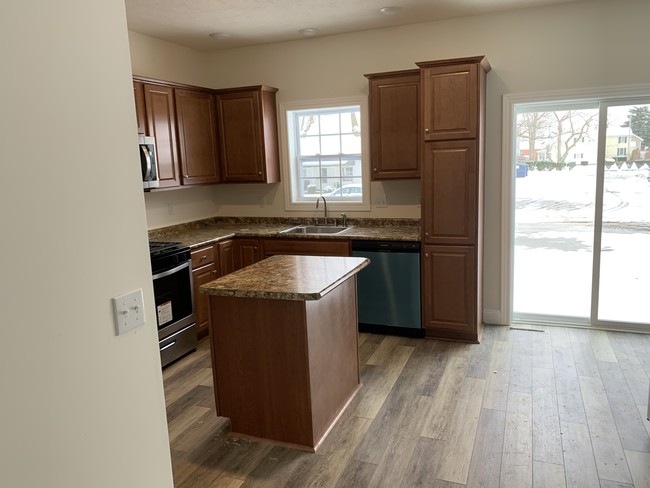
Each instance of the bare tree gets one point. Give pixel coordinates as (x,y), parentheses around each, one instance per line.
(569,128)
(533,126)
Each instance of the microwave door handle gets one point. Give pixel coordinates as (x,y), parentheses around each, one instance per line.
(147,158)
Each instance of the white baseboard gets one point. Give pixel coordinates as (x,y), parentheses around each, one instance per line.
(492,317)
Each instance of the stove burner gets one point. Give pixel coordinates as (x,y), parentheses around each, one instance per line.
(160,247)
(166,255)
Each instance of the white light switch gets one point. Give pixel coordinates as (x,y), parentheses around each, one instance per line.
(129,311)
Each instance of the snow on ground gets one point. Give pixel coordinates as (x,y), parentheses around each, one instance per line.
(554,241)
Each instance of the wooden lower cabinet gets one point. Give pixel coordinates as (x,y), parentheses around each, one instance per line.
(205,268)
(246,252)
(209,263)
(450,305)
(309,247)
(226,253)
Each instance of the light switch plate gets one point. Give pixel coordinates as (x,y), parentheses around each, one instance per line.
(129,311)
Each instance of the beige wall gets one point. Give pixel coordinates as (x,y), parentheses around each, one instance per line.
(80,406)
(557,47)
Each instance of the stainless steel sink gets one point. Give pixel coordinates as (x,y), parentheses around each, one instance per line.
(315,229)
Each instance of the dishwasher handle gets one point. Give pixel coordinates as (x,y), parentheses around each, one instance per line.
(386,246)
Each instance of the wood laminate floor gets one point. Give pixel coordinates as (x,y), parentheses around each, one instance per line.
(563,407)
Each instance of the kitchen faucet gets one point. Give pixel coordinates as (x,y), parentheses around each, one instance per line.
(324,208)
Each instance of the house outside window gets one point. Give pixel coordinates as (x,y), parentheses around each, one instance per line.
(622,140)
(324,151)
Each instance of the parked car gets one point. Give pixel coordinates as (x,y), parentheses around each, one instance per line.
(346,191)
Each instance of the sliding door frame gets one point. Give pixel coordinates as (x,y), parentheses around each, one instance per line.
(606,96)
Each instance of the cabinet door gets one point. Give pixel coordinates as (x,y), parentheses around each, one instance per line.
(394,125)
(140,112)
(201,276)
(450,193)
(240,136)
(161,124)
(226,252)
(247,252)
(248,134)
(195,113)
(450,102)
(204,269)
(449,299)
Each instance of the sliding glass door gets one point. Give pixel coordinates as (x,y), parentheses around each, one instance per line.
(622,268)
(581,247)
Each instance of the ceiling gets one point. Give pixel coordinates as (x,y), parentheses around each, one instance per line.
(242,23)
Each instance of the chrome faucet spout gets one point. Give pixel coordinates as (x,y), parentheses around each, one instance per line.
(324,208)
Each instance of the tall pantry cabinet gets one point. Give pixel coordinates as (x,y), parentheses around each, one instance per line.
(453,122)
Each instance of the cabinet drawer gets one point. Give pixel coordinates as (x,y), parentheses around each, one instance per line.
(202,256)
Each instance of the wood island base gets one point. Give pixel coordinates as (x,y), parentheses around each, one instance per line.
(284,370)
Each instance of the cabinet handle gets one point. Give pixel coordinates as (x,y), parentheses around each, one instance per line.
(426,131)
(204,257)
(426,234)
(214,271)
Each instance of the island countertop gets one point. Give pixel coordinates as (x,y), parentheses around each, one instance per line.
(286,277)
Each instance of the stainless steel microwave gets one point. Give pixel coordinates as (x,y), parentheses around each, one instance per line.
(148,162)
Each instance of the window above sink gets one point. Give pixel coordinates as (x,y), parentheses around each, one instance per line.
(324,153)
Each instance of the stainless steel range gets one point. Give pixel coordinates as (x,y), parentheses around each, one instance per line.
(171,266)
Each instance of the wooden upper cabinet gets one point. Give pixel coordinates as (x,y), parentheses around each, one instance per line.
(248,135)
(451,104)
(197,143)
(140,112)
(394,124)
(161,124)
(450,193)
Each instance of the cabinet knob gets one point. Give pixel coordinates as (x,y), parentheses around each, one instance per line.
(214,271)
(259,172)
(204,257)
(426,131)
(426,254)
(426,234)
(375,170)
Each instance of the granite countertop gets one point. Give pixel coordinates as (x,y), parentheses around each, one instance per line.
(287,277)
(204,232)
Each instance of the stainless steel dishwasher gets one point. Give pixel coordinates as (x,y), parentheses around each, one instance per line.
(388,289)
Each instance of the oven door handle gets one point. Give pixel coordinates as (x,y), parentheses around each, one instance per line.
(172,271)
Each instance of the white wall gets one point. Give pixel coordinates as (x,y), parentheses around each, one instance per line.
(80,406)
(581,44)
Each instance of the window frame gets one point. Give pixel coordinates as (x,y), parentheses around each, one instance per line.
(287,147)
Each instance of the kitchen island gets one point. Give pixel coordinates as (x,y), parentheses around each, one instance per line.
(284,346)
